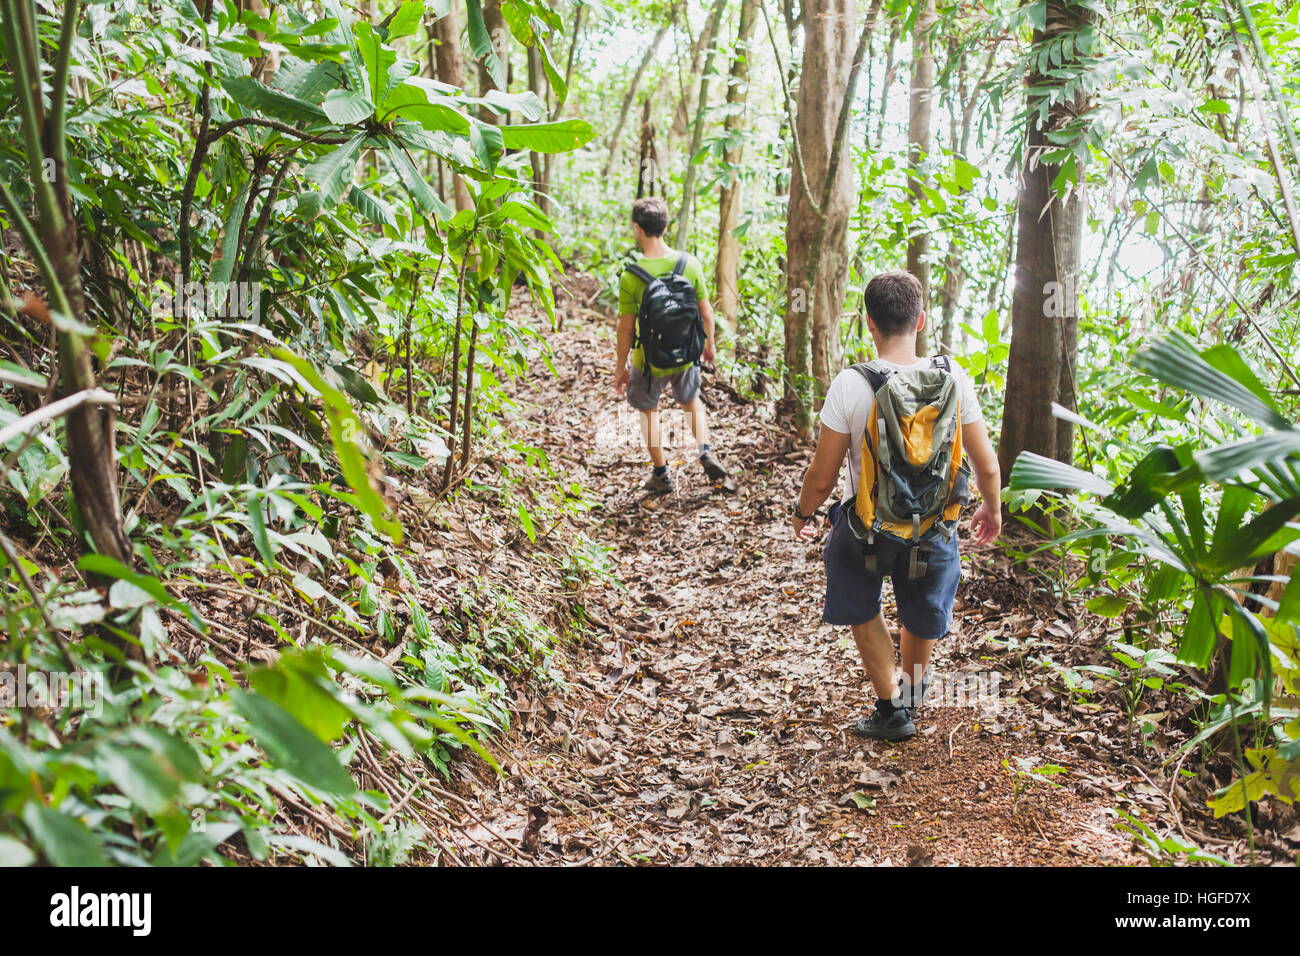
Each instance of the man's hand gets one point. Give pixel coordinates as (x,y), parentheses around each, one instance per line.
(621,378)
(708,352)
(986,522)
(803,530)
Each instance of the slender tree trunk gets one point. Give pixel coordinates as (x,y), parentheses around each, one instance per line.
(1044,310)
(891,72)
(816,226)
(450,66)
(697,133)
(630,94)
(727,271)
(496,27)
(918,139)
(559,105)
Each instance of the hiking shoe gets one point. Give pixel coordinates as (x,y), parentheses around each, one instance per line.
(658,485)
(712,468)
(894,726)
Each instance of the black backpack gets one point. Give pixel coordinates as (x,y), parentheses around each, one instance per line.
(669,327)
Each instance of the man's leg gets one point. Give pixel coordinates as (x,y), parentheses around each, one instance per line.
(877,650)
(915,652)
(699,420)
(686,390)
(653,439)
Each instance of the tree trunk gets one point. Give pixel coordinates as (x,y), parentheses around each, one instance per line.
(451,70)
(1044,307)
(727,271)
(630,94)
(549,164)
(496,28)
(918,139)
(817,253)
(697,132)
(647,177)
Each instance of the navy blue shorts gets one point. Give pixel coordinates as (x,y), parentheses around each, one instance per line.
(853,592)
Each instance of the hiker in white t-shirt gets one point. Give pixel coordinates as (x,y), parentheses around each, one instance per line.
(856,564)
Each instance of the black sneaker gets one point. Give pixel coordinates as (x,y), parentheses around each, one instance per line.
(896,725)
(712,468)
(658,485)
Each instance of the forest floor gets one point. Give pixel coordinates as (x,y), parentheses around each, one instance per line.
(706,715)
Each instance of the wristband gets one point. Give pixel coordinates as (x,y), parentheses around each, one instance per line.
(803,517)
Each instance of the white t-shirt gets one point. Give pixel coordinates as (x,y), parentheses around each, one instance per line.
(849,400)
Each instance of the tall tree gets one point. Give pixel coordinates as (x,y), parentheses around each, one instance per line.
(629,94)
(918,141)
(687,202)
(726,273)
(821,197)
(1044,307)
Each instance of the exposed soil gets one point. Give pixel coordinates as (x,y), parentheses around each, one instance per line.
(707,721)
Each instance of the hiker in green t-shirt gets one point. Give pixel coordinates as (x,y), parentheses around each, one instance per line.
(643,385)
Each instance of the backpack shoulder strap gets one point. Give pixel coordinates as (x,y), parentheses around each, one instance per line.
(639,272)
(679,267)
(875,376)
(941,361)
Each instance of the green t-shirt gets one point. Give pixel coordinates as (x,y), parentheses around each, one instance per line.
(630,289)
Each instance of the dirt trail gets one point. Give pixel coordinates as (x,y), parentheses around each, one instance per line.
(709,723)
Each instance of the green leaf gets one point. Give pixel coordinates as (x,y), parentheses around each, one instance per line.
(291,746)
(407,19)
(1107,605)
(257,97)
(1201,631)
(485,139)
(333,171)
(345,428)
(140,778)
(105,566)
(415,184)
(1175,361)
(64,840)
(13,853)
(526,520)
(1036,472)
(257,528)
(557,137)
(346,107)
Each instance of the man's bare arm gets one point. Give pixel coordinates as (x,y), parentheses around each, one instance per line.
(987,521)
(822,475)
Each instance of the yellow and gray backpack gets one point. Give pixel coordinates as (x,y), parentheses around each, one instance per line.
(914,479)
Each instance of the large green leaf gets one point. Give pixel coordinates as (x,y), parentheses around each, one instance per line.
(1230,460)
(63,840)
(555,137)
(415,100)
(260,98)
(416,184)
(1033,472)
(345,430)
(333,172)
(1175,361)
(291,746)
(346,107)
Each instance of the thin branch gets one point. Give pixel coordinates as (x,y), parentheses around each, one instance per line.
(91,396)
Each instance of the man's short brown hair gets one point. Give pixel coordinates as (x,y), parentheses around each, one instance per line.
(893,301)
(651,214)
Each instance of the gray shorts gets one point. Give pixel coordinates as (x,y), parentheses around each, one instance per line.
(643,390)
